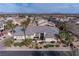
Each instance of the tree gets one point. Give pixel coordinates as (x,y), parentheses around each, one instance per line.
(8,42)
(62,26)
(63,35)
(10,26)
(25,24)
(34,19)
(27,41)
(70,39)
(36,23)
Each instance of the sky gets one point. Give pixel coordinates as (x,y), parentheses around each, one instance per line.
(72,8)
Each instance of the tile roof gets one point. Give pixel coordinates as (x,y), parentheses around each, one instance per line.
(37,29)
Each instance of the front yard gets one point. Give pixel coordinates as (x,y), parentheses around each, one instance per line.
(29,43)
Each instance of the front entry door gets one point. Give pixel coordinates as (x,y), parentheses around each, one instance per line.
(42,36)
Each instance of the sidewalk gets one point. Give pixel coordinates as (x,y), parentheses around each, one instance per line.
(31,49)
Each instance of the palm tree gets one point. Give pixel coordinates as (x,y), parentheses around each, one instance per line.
(25,24)
(10,26)
(70,39)
(8,42)
(36,23)
(34,19)
(63,35)
(49,18)
(62,26)
(27,41)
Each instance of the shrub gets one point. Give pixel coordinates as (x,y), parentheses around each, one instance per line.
(59,42)
(52,41)
(50,45)
(8,42)
(27,42)
(45,46)
(18,44)
(15,44)
(64,46)
(57,45)
(64,42)
(41,42)
(40,47)
(77,45)
(37,47)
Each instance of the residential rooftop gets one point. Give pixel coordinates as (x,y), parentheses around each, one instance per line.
(36,29)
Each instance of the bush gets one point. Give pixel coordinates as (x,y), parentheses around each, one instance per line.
(64,42)
(27,42)
(15,44)
(57,45)
(50,45)
(64,46)
(52,41)
(45,46)
(37,47)
(8,42)
(59,42)
(77,45)
(41,42)
(40,47)
(18,44)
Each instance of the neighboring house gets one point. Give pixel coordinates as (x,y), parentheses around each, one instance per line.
(62,19)
(10,19)
(2,23)
(45,22)
(75,21)
(73,28)
(42,32)
(16,20)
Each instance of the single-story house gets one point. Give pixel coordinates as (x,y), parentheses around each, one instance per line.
(2,23)
(44,22)
(41,32)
